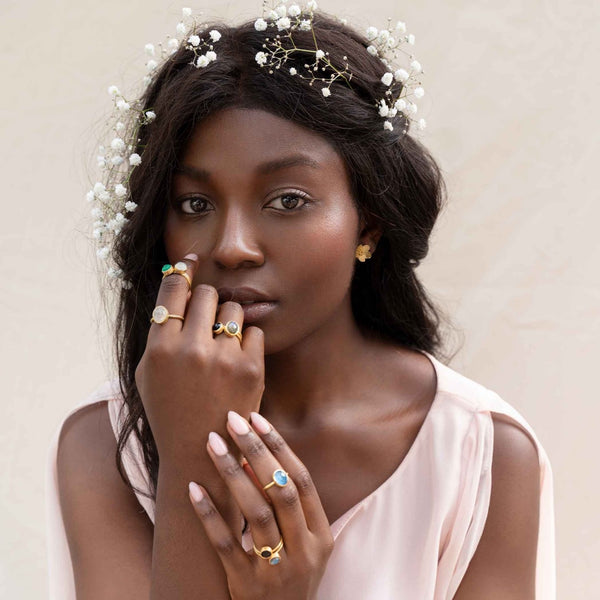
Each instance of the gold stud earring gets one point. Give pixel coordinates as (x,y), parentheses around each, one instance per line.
(363,251)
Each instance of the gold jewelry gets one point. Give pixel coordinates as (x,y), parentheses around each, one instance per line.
(231,329)
(363,252)
(280,479)
(270,554)
(161,315)
(180,268)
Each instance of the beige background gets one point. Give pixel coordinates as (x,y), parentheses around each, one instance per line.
(511,98)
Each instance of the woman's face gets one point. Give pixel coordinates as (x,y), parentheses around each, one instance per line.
(288,230)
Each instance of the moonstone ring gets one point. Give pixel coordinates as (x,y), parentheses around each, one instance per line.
(161,315)
(231,329)
(180,268)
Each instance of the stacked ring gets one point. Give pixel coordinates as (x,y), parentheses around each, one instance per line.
(179,268)
(231,329)
(270,554)
(161,315)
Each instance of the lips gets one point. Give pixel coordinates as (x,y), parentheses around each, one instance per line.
(243,295)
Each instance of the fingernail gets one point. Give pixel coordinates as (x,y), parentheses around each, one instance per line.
(238,424)
(217,443)
(191,256)
(260,423)
(195,492)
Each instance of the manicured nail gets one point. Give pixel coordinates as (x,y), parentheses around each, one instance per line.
(191,256)
(195,492)
(260,423)
(217,443)
(238,424)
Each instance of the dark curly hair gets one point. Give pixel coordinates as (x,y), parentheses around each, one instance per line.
(394,180)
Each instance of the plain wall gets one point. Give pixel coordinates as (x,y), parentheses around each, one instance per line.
(511,98)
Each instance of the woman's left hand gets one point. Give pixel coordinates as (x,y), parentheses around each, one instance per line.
(293,513)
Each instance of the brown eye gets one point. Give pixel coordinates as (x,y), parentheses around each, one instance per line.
(194,205)
(290,201)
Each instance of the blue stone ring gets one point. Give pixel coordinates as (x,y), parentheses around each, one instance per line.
(280,478)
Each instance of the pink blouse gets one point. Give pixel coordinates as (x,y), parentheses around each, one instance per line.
(413,536)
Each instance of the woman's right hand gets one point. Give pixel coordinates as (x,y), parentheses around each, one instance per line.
(188,379)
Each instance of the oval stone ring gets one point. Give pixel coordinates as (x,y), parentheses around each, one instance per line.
(280,479)
(231,329)
(161,315)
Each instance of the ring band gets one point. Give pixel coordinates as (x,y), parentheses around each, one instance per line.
(231,329)
(179,268)
(270,554)
(280,479)
(161,315)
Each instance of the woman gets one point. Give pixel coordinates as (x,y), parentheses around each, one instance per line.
(275,347)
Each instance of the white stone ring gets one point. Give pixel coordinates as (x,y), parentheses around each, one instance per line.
(231,329)
(179,268)
(161,315)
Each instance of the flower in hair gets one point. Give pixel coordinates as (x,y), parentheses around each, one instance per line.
(110,198)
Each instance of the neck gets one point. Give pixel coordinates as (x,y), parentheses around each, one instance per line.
(318,375)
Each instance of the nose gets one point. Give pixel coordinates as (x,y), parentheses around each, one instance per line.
(236,244)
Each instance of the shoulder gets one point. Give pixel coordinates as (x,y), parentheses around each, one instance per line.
(504,562)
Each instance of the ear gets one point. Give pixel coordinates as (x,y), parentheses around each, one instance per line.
(369,234)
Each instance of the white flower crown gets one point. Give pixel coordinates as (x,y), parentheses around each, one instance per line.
(110,198)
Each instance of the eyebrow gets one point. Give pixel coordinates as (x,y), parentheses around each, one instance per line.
(262,169)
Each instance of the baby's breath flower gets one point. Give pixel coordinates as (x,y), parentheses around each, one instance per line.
(401,27)
(151,65)
(372,50)
(113,90)
(130,206)
(260,24)
(281,10)
(387,125)
(384,109)
(273,15)
(96,212)
(283,23)
(294,10)
(421,124)
(123,106)
(305,25)
(101,161)
(419,92)
(150,115)
(102,253)
(312,5)
(181,28)
(400,104)
(99,188)
(194,40)
(187,12)
(415,65)
(261,58)
(387,78)
(401,75)
(372,33)
(383,36)
(90,196)
(149,49)
(293,71)
(326,92)
(135,160)
(202,61)
(116,160)
(211,55)
(173,44)
(120,190)
(411,39)
(320,54)
(215,36)
(119,127)
(117,144)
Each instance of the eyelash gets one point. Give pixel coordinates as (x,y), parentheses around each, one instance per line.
(295,194)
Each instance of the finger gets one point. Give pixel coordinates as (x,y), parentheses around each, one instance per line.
(259,514)
(173,295)
(315,516)
(201,314)
(236,562)
(285,499)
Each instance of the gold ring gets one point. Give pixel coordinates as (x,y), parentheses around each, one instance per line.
(231,329)
(179,268)
(161,315)
(270,554)
(280,479)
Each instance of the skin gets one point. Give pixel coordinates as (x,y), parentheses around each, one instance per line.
(324,377)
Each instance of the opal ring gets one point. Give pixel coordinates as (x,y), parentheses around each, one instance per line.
(161,315)
(280,479)
(270,554)
(231,329)
(180,268)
